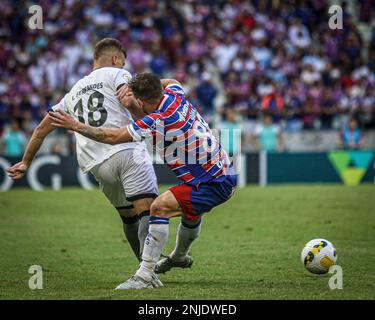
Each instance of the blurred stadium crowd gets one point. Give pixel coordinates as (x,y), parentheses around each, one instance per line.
(237,59)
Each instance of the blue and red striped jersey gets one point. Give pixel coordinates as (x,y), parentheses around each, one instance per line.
(183,139)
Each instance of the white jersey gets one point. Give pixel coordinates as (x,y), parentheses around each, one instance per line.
(92,101)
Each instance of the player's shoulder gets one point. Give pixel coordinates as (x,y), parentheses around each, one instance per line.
(155,116)
(150,121)
(112,77)
(175,87)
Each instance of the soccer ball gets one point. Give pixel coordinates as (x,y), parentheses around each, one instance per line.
(318,256)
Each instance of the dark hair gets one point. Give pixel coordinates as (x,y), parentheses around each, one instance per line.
(107,44)
(146,86)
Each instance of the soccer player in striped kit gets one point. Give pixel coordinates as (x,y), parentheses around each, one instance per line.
(186,144)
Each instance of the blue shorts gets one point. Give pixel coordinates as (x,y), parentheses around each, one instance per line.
(196,200)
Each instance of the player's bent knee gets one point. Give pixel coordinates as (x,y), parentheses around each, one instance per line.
(159,208)
(126,211)
(165,205)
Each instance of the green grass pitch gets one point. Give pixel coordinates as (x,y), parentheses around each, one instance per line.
(249,247)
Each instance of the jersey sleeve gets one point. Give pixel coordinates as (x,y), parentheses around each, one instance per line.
(121,77)
(176,88)
(60,106)
(145,127)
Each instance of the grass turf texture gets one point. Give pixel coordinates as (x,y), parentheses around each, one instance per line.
(249,247)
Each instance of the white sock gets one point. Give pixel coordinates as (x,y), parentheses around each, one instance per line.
(186,234)
(143,229)
(153,246)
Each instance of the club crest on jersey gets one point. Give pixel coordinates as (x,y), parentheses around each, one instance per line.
(180,116)
(127,77)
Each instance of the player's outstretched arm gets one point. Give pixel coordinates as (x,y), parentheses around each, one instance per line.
(42,130)
(61,119)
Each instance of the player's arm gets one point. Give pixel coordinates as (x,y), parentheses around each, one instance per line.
(42,130)
(61,119)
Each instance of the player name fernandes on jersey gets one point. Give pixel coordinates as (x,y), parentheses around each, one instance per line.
(95,86)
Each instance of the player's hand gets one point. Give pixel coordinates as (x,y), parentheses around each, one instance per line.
(61,119)
(125,95)
(17,171)
(124,92)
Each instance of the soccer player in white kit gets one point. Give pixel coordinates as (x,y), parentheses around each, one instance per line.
(124,171)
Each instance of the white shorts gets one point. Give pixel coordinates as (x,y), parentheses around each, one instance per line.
(127,176)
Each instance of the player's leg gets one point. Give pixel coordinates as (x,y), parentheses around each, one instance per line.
(142,210)
(190,224)
(163,208)
(188,201)
(130,222)
(187,231)
(107,175)
(140,185)
(136,229)
(194,201)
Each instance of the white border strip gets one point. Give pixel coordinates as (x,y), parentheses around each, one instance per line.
(263,168)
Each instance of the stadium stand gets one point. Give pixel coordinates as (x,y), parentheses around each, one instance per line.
(278,57)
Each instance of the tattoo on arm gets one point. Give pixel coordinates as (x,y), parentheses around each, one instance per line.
(105,135)
(96,134)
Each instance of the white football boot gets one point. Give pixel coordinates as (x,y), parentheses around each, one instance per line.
(136,282)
